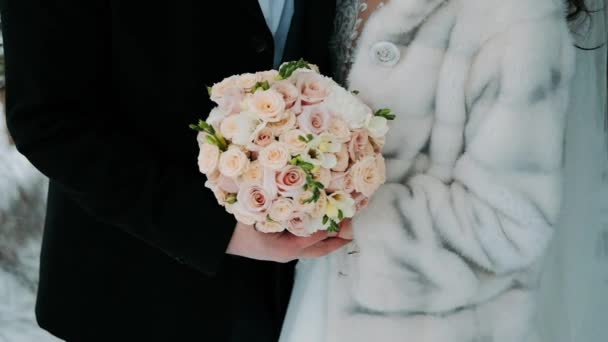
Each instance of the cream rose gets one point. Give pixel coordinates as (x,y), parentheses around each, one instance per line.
(254,173)
(227,184)
(339,129)
(293,141)
(281,209)
(343,159)
(243,215)
(268,105)
(313,87)
(220,195)
(314,119)
(231,102)
(341,181)
(291,95)
(274,156)
(301,202)
(290,180)
(269,76)
(360,146)
(247,81)
(368,175)
(269,227)
(229,126)
(286,123)
(233,162)
(219,89)
(215,118)
(298,224)
(253,198)
(208,158)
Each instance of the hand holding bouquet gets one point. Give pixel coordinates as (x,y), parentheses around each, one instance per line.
(291,149)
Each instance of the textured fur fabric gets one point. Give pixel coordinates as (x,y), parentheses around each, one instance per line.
(22,204)
(449,249)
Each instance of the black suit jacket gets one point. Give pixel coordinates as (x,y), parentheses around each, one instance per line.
(100,95)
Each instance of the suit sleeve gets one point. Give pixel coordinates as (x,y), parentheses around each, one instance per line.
(433,240)
(62,118)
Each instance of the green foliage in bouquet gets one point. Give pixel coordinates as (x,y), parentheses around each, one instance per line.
(288,68)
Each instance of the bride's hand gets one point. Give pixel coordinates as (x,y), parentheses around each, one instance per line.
(346,230)
(281,247)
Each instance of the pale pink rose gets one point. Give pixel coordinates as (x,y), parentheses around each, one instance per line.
(361,201)
(322,175)
(367,175)
(264,137)
(214,176)
(339,129)
(227,184)
(320,206)
(290,180)
(281,209)
(274,156)
(313,87)
(247,81)
(291,95)
(253,198)
(233,162)
(359,146)
(243,215)
(293,141)
(220,89)
(254,173)
(231,102)
(208,158)
(302,203)
(269,183)
(268,105)
(270,227)
(285,124)
(229,126)
(341,181)
(298,224)
(314,119)
(343,159)
(220,195)
(269,76)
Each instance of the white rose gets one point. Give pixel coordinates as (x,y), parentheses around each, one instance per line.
(348,107)
(281,209)
(229,127)
(268,105)
(254,174)
(208,158)
(215,118)
(293,141)
(247,81)
(270,227)
(233,162)
(274,156)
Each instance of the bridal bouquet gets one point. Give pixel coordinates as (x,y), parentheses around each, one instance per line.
(291,149)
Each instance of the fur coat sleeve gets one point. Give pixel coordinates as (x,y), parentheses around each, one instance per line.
(474,160)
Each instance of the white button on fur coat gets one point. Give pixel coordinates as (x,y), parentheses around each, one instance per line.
(449,248)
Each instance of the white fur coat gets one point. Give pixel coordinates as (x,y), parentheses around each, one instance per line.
(449,248)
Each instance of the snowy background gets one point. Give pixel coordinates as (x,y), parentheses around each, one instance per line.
(574,293)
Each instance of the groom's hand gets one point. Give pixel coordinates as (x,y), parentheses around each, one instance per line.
(283,247)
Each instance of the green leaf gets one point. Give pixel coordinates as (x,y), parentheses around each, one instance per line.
(310,137)
(261,86)
(212,140)
(333,227)
(355,92)
(302,138)
(319,185)
(385,113)
(196,128)
(209,90)
(340,215)
(325,219)
(231,198)
(288,68)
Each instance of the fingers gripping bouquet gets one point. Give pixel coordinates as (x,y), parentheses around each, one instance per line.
(291,149)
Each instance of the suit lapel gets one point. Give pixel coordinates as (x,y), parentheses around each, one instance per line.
(252,8)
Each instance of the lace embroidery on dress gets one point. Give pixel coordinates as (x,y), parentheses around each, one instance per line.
(350,17)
